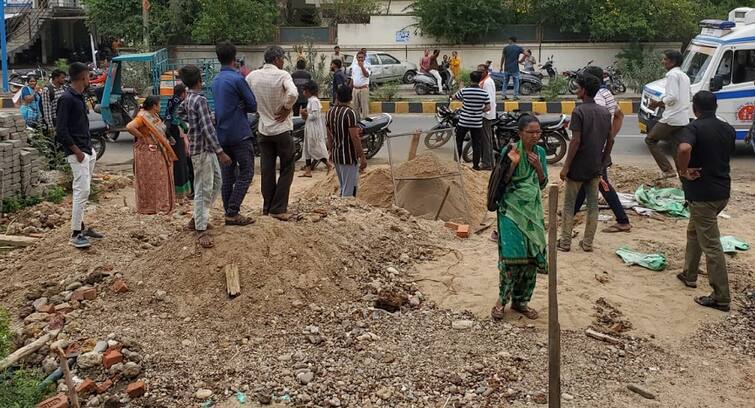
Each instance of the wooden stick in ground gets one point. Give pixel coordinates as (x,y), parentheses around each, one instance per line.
(27,350)
(442,203)
(233,286)
(72,396)
(414,145)
(554,330)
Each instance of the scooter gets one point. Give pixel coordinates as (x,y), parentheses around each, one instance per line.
(529,82)
(549,69)
(425,84)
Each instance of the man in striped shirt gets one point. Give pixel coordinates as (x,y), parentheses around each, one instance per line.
(50,95)
(605,98)
(345,144)
(475,102)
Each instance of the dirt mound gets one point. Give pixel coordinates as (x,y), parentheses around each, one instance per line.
(626,179)
(418,192)
(37,219)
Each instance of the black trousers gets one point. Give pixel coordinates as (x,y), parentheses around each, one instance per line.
(275,191)
(237,177)
(461,133)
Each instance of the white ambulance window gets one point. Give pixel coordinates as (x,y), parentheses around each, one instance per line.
(744,66)
(724,68)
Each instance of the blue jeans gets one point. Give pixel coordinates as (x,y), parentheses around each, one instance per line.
(506,76)
(611,197)
(237,176)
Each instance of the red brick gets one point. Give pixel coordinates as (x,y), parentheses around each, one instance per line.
(104,386)
(452,225)
(86,387)
(111,358)
(57,322)
(84,294)
(48,308)
(73,349)
(119,286)
(58,401)
(135,389)
(462,231)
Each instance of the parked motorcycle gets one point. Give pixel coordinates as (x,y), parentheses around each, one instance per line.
(441,133)
(554,138)
(17,80)
(98,131)
(529,82)
(612,80)
(549,69)
(573,75)
(425,84)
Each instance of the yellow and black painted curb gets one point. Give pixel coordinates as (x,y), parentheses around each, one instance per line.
(627,106)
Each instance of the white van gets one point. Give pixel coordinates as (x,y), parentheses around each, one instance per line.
(721,60)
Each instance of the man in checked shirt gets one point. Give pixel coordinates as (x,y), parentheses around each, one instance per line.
(205,152)
(50,95)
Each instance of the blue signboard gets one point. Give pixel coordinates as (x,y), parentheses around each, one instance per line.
(402,37)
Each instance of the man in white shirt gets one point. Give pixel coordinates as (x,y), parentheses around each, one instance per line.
(488,85)
(360,85)
(676,113)
(276,94)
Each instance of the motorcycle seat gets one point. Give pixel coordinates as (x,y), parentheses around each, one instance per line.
(550,122)
(377,122)
(97,125)
(298,121)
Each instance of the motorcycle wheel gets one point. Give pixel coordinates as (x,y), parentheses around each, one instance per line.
(555,146)
(526,88)
(437,137)
(409,77)
(466,152)
(573,86)
(113,136)
(618,88)
(421,89)
(99,144)
(374,144)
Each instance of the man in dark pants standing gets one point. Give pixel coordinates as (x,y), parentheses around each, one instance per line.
(233,99)
(276,94)
(339,77)
(703,163)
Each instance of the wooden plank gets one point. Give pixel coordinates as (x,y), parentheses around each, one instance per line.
(72,395)
(414,145)
(554,329)
(16,240)
(232,283)
(442,203)
(27,350)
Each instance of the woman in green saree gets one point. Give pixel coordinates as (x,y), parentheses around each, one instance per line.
(521,224)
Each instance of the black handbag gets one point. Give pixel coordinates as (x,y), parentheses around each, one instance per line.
(497,182)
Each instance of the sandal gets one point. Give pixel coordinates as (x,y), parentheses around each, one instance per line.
(496,312)
(563,248)
(527,311)
(193,227)
(239,220)
(306,174)
(204,239)
(618,228)
(585,247)
(281,216)
(708,301)
(684,280)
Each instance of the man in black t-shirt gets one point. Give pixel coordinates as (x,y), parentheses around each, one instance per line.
(301,77)
(703,165)
(589,150)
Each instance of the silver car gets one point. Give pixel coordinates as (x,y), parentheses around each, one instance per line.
(385,68)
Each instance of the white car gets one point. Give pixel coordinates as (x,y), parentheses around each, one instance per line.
(385,68)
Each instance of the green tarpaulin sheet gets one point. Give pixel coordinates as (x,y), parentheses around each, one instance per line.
(732,244)
(664,200)
(654,262)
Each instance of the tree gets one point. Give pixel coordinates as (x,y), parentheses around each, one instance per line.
(460,21)
(349,11)
(238,21)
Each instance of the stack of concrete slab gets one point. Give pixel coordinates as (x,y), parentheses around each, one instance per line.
(20,165)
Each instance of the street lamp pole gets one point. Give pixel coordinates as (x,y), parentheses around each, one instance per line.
(145,22)
(4,47)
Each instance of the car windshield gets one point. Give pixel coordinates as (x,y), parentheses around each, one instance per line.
(696,61)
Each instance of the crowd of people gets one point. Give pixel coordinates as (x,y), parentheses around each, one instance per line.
(192,151)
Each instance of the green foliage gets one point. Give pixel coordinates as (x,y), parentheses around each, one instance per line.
(55,195)
(62,64)
(554,88)
(45,143)
(6,336)
(640,65)
(349,11)
(386,92)
(460,21)
(21,390)
(316,65)
(239,21)
(16,203)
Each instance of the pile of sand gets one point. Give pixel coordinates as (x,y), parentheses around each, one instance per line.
(418,192)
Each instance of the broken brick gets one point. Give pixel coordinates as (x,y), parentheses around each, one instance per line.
(58,401)
(135,389)
(73,349)
(104,386)
(86,386)
(452,225)
(111,358)
(57,322)
(119,286)
(84,294)
(462,231)
(48,308)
